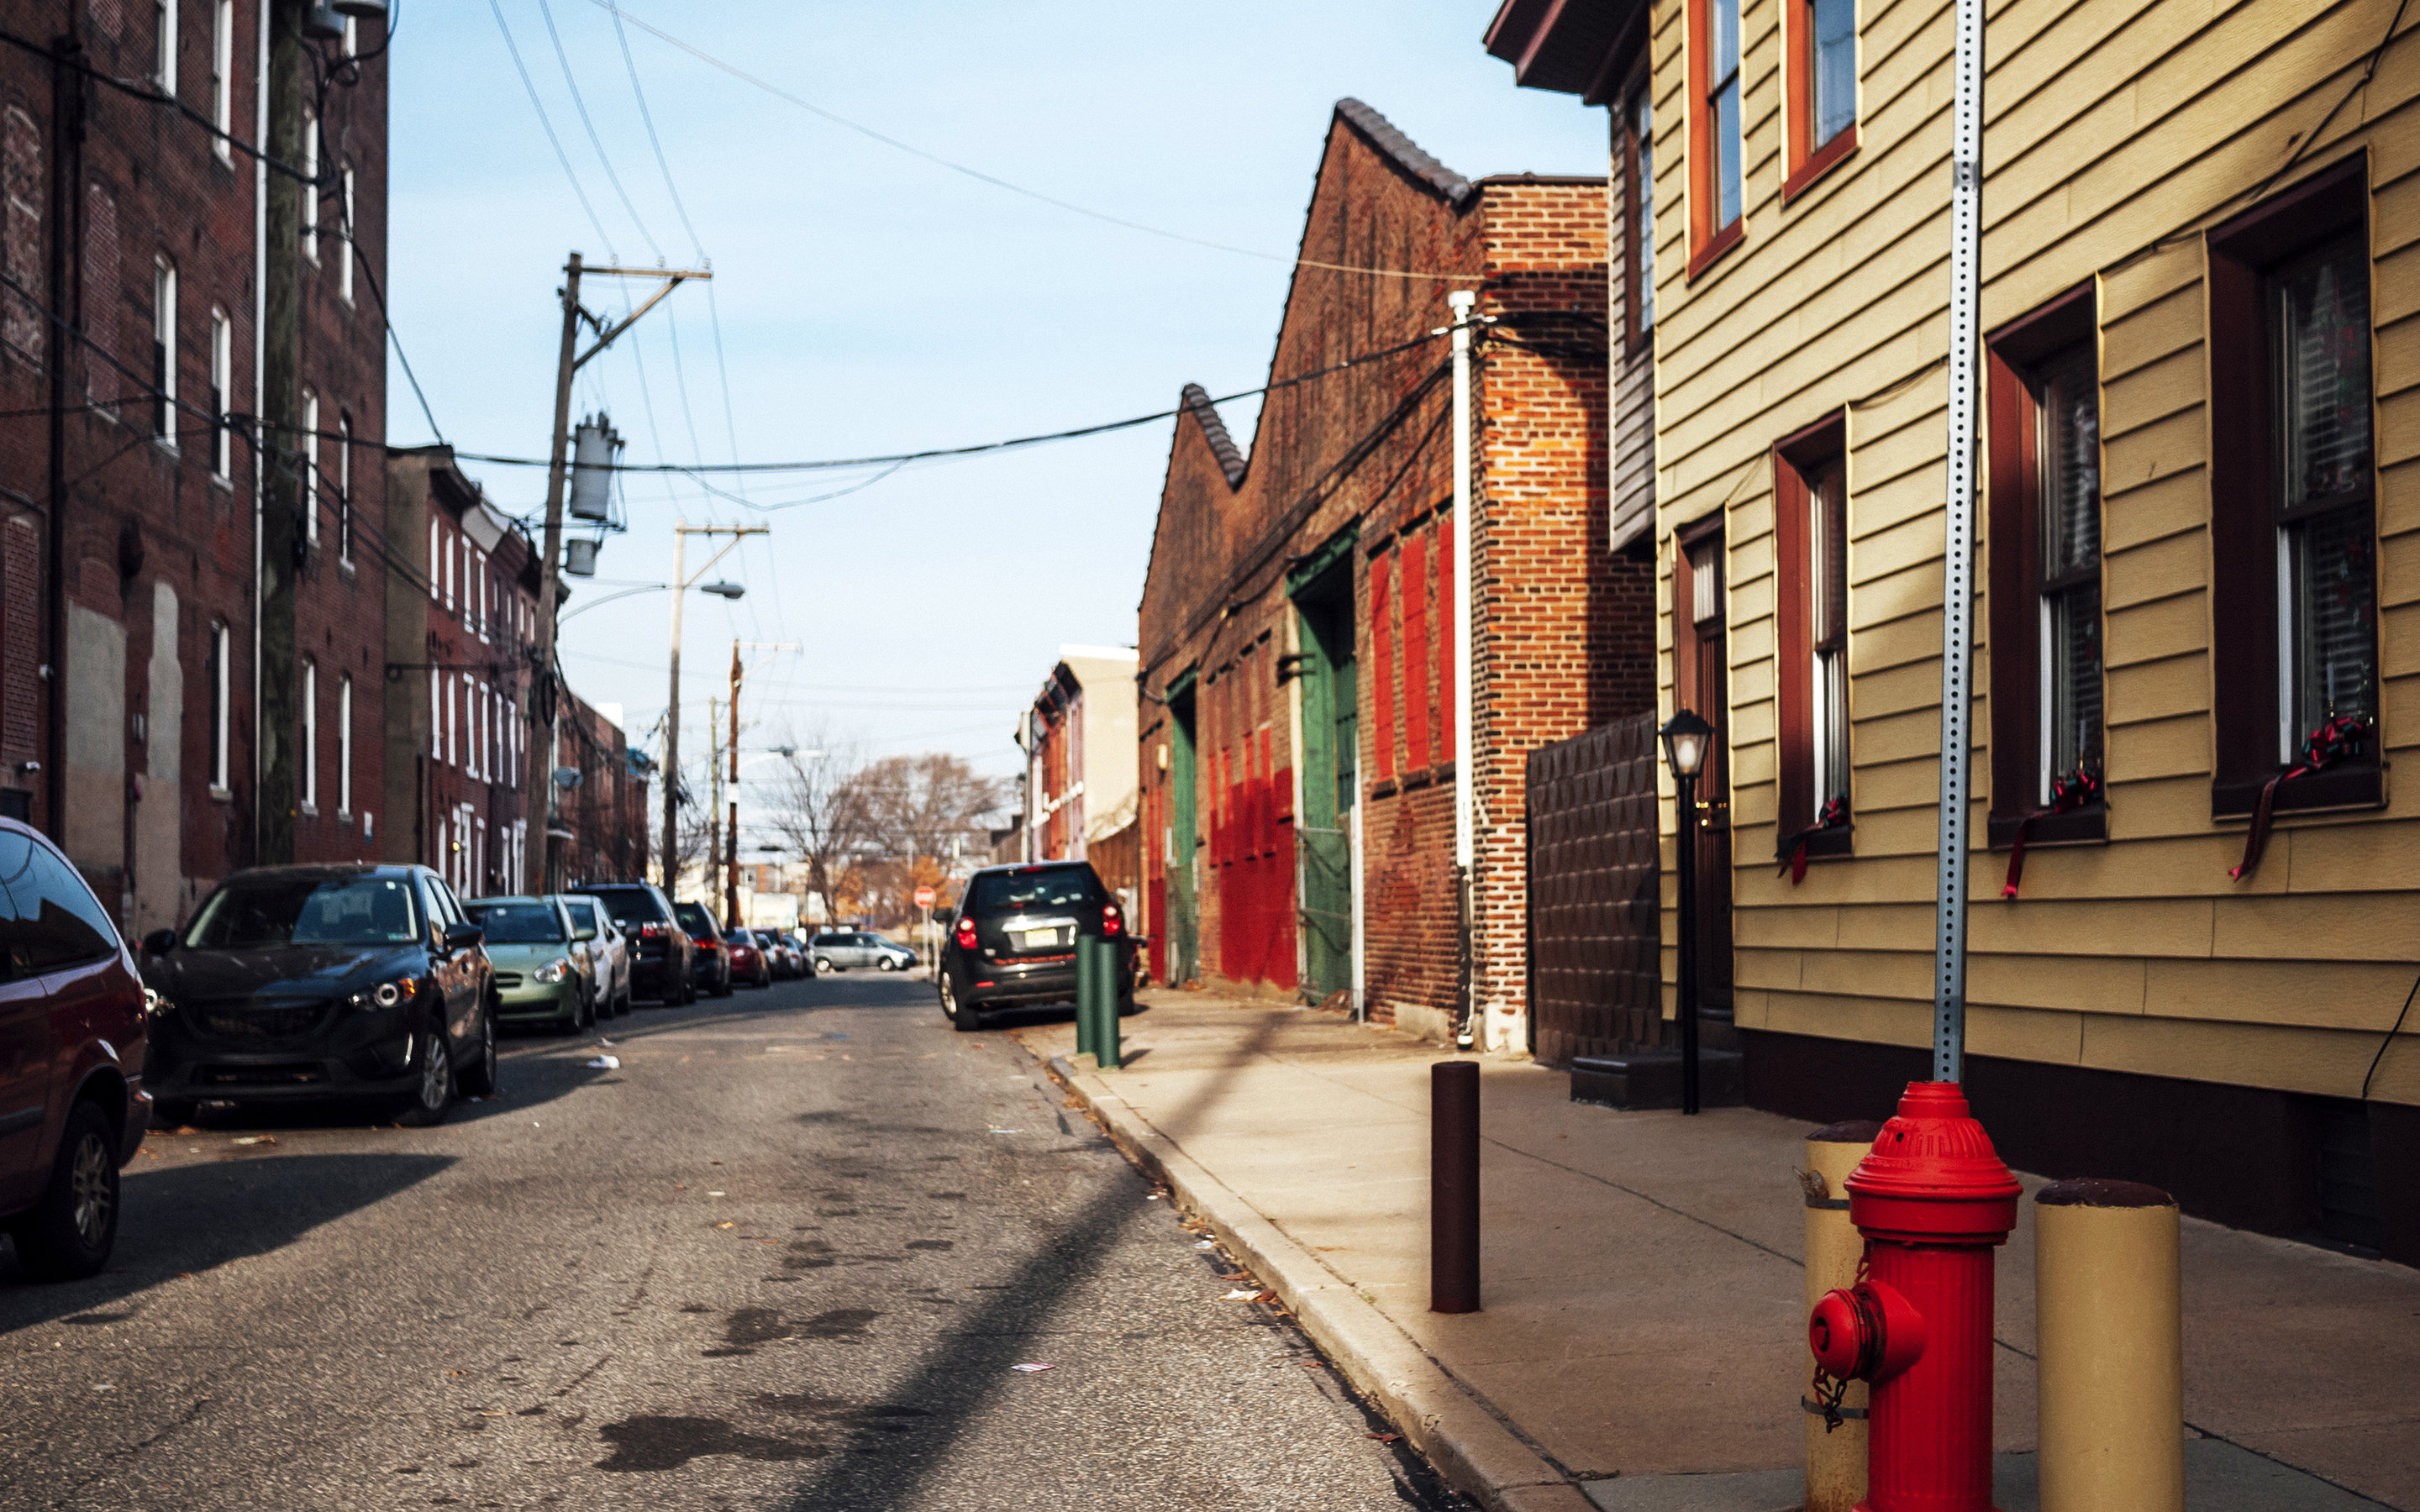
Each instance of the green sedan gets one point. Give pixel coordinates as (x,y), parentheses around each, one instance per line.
(540,978)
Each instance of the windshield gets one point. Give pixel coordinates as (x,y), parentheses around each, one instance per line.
(740,936)
(515,923)
(630,905)
(695,920)
(1014,892)
(303,911)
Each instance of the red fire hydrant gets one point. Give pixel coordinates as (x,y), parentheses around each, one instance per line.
(1933,1198)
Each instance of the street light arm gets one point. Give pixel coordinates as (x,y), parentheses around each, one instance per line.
(626,593)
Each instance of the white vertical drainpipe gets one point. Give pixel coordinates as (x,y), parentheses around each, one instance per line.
(1465,847)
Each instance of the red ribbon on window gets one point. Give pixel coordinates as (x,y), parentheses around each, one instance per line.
(2341,737)
(1793,852)
(2067,794)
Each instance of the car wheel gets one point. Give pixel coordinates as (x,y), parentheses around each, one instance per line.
(964,1016)
(435,1097)
(824,967)
(888,963)
(480,1080)
(69,1233)
(173,1112)
(722,988)
(622,1002)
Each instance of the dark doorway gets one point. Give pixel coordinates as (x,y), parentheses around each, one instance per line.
(1701,670)
(1182,862)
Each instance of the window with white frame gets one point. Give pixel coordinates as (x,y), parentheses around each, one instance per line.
(344,253)
(436,573)
(163,349)
(310,448)
(310,186)
(344,487)
(345,745)
(216,670)
(164,64)
(221,382)
(310,736)
(223,77)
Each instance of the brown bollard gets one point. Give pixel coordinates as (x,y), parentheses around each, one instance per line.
(1453,1186)
(1836,1456)
(2109,1339)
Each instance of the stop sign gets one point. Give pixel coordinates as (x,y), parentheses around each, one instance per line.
(923,896)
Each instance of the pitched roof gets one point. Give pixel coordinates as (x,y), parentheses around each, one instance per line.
(1231,459)
(1382,134)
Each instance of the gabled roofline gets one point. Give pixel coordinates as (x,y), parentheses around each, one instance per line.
(1195,400)
(1408,154)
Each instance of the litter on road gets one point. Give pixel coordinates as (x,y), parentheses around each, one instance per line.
(1030,1368)
(257,1139)
(1239,1295)
(606,1063)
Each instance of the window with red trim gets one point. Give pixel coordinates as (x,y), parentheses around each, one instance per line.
(1417,698)
(1382,665)
(2293,486)
(2043,494)
(1445,632)
(1819,44)
(1634,146)
(1811,632)
(1717,189)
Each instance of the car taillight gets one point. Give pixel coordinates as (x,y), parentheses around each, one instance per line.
(966,934)
(649,932)
(1113,922)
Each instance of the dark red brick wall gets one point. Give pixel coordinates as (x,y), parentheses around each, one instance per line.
(141,521)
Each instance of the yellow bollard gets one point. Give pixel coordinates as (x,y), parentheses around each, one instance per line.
(2109,1335)
(1835,1461)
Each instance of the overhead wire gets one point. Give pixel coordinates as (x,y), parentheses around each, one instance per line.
(997,182)
(540,105)
(579,104)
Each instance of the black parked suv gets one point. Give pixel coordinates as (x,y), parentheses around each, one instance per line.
(73,1026)
(662,956)
(292,983)
(1013,939)
(712,973)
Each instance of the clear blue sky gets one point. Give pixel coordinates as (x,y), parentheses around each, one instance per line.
(869,302)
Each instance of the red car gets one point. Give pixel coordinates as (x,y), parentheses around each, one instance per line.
(74,1026)
(749,960)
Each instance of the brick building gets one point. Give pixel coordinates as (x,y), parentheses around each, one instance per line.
(601,823)
(188,619)
(1080,753)
(1296,623)
(458,656)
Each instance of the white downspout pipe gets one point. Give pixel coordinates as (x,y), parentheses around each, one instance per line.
(1466,835)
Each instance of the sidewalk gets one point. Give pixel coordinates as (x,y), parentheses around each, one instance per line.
(1641,1347)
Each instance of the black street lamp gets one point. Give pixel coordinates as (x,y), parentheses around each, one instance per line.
(1687,737)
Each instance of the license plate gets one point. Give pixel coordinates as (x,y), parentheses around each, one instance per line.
(1038,939)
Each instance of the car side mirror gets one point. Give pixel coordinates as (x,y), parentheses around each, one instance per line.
(160,942)
(463,937)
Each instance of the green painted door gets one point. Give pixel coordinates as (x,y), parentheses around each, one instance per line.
(1330,707)
(1184,932)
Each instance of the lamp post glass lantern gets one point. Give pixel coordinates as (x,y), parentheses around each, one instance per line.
(1687,737)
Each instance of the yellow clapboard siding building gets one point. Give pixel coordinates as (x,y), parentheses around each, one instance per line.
(2199,642)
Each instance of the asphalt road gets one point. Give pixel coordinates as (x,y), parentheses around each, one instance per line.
(786,1255)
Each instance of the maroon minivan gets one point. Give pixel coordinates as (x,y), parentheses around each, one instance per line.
(73,1034)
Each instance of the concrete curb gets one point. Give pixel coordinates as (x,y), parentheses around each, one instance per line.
(1468,1445)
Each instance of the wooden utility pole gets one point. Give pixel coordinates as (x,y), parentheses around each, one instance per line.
(545,714)
(541,777)
(731,843)
(283,536)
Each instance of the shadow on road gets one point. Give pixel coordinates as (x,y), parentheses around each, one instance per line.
(972,1363)
(187,1219)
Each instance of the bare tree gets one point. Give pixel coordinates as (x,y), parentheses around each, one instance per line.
(821,812)
(920,803)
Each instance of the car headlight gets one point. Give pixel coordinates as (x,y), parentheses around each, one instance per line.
(386,994)
(553,971)
(155,1005)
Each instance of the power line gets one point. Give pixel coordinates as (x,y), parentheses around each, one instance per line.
(997,182)
(560,156)
(933,454)
(547,13)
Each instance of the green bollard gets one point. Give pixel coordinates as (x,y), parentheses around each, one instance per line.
(1104,997)
(1084,995)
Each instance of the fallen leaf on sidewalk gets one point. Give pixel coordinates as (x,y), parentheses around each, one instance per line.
(1030,1368)
(1386,1438)
(1313,1364)
(727,1226)
(257,1139)
(1071,1103)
